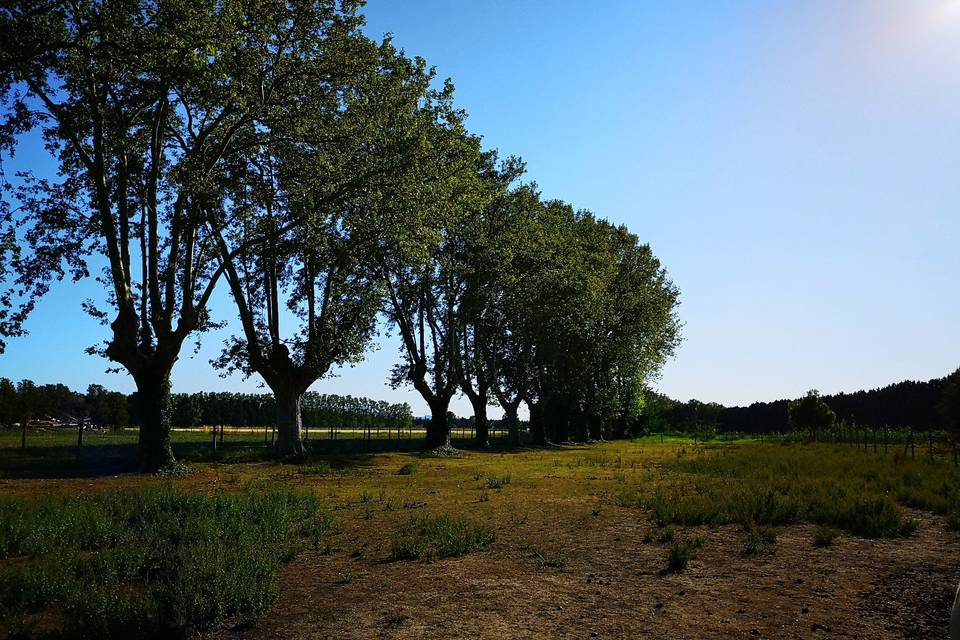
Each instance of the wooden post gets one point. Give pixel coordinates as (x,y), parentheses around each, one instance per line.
(213,440)
(80,433)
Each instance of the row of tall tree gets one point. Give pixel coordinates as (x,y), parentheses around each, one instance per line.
(326,180)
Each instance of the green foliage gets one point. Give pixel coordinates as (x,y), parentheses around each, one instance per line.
(757,539)
(549,558)
(408,469)
(950,405)
(157,562)
(824,536)
(681,553)
(774,485)
(810,413)
(429,537)
(497,482)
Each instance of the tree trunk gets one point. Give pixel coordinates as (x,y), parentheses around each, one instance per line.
(595,425)
(153,392)
(482,424)
(559,421)
(438,431)
(538,431)
(513,424)
(581,426)
(289,422)
(23,432)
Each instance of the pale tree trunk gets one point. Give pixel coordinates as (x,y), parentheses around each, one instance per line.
(289,421)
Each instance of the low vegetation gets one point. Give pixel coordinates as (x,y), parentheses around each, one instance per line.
(776,485)
(430,537)
(158,562)
(169,560)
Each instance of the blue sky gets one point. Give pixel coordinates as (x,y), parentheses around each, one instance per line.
(793,164)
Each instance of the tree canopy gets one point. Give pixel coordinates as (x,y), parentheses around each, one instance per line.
(328,181)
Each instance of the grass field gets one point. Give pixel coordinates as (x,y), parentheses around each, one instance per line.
(621,539)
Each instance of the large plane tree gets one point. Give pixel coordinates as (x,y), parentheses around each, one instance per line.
(301,188)
(141,105)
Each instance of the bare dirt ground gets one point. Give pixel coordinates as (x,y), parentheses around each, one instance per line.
(568,563)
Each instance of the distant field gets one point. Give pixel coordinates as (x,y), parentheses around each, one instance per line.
(249,436)
(620,539)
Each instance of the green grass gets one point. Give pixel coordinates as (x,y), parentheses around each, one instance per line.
(408,469)
(157,562)
(773,485)
(824,536)
(681,553)
(430,537)
(757,539)
(497,482)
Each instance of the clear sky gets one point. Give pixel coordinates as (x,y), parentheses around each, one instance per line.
(795,165)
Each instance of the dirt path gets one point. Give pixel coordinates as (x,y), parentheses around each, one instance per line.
(612,586)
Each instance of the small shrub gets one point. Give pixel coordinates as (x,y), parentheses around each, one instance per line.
(953,521)
(408,469)
(824,536)
(497,482)
(666,535)
(681,553)
(152,563)
(549,559)
(429,537)
(318,469)
(757,539)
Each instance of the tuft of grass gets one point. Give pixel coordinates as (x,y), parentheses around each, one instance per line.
(666,535)
(429,537)
(824,536)
(408,469)
(953,520)
(317,469)
(775,485)
(681,553)
(757,539)
(153,563)
(545,558)
(497,482)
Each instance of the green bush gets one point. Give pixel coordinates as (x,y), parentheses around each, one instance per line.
(757,539)
(429,537)
(774,486)
(154,563)
(497,482)
(824,536)
(408,469)
(681,553)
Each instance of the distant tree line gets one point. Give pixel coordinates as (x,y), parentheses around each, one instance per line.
(26,402)
(910,405)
